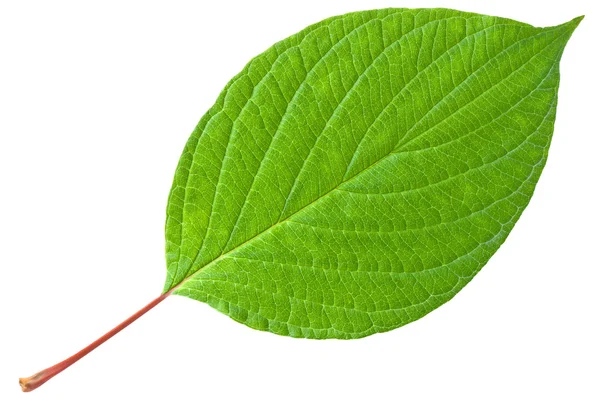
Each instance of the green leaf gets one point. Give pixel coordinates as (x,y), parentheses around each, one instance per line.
(356,175)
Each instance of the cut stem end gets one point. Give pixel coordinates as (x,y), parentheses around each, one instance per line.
(34,381)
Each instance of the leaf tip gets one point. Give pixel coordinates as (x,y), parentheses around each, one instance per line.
(577,20)
(574,23)
(567,29)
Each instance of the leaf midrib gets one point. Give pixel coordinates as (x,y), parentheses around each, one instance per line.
(251,239)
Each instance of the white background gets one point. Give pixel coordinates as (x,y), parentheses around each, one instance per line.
(96,103)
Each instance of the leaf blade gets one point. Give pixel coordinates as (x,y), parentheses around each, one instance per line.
(314,247)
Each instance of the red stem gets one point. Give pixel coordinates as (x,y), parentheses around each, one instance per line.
(37,380)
